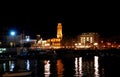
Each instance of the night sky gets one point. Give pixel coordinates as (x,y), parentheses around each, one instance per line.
(76,18)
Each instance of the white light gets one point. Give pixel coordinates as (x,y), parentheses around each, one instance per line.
(12,33)
(78,67)
(27,39)
(47,68)
(95,44)
(96,66)
(28,65)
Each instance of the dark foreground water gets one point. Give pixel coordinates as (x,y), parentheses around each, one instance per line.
(66,66)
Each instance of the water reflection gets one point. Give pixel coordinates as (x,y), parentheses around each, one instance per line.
(47,68)
(28,65)
(85,66)
(4,67)
(96,66)
(8,66)
(22,64)
(60,68)
(11,65)
(78,66)
(88,66)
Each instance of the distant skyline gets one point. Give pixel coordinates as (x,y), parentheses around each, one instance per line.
(103,19)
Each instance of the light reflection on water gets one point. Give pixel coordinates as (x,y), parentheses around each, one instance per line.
(92,66)
(11,65)
(86,67)
(4,66)
(47,68)
(78,66)
(96,66)
(60,68)
(28,65)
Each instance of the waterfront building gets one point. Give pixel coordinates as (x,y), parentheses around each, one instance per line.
(88,40)
(55,43)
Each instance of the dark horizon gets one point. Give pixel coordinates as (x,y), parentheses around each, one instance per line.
(52,32)
(49,28)
(76,19)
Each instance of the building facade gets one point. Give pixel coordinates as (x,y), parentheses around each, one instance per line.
(55,43)
(88,40)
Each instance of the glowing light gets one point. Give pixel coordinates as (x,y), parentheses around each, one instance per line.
(27,38)
(95,44)
(76,63)
(59,30)
(12,65)
(12,33)
(28,65)
(78,66)
(4,66)
(47,68)
(96,66)
(60,67)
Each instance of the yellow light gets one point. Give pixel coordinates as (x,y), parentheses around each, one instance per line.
(95,44)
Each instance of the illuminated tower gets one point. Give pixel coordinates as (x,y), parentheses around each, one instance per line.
(59,31)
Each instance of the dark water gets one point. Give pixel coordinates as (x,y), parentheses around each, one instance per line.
(66,66)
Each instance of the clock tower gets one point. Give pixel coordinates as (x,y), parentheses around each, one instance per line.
(59,31)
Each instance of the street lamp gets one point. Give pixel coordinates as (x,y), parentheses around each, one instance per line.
(12,35)
(27,38)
